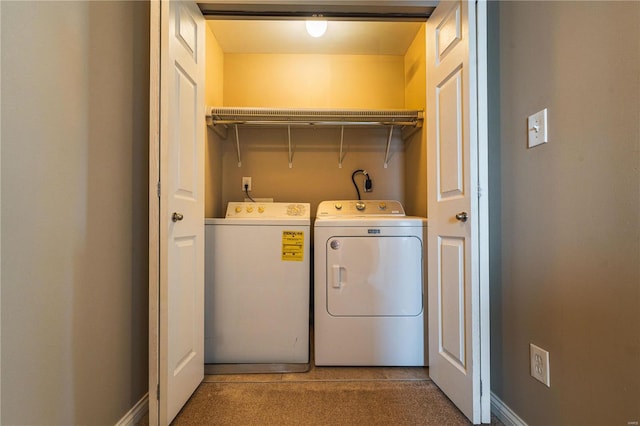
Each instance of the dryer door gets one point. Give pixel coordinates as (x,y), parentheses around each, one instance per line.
(374,276)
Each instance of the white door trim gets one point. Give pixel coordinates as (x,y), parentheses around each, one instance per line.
(154,208)
(0,240)
(483,209)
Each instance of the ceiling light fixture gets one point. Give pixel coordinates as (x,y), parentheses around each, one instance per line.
(316,27)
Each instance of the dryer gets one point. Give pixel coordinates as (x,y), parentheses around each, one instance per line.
(257,284)
(369,284)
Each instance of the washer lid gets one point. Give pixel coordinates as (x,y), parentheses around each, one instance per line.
(359,208)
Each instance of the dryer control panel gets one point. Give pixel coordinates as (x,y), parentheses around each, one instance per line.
(360,208)
(246,210)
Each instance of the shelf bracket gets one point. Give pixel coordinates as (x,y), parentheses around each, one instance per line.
(238,146)
(341,141)
(220,129)
(407,133)
(386,155)
(290,153)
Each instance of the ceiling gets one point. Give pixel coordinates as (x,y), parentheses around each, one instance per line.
(290,36)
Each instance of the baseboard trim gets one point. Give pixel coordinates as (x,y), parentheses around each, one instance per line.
(505,414)
(136,413)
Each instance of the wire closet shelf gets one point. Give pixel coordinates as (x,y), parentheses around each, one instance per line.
(221,118)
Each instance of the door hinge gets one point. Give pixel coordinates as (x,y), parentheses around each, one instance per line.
(481,388)
(158,392)
(158,189)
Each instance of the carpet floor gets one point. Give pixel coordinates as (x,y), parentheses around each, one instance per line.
(415,402)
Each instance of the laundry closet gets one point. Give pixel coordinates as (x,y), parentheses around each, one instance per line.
(308,127)
(322,159)
(440,71)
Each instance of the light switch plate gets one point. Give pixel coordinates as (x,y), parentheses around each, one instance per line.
(537,128)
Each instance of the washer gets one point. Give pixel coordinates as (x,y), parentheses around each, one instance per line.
(257,287)
(369,294)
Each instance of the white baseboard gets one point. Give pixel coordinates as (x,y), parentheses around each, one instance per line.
(505,414)
(136,413)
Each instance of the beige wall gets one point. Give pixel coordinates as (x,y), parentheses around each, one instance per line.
(566,215)
(214,69)
(214,78)
(415,75)
(314,81)
(319,81)
(75,80)
(315,175)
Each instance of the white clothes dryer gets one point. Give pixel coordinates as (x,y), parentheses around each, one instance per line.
(257,284)
(369,284)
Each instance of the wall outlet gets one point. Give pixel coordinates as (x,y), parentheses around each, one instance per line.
(246,180)
(539,364)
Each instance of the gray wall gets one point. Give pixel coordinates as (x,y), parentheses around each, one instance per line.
(566,215)
(75,80)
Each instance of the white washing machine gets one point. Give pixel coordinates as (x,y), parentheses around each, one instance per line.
(257,288)
(369,285)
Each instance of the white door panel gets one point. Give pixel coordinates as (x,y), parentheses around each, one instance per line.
(452,301)
(457,348)
(177,306)
(184,183)
(449,137)
(184,149)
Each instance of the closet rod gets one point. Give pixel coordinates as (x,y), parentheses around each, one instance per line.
(313,123)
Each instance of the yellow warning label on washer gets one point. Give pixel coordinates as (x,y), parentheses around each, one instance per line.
(293,246)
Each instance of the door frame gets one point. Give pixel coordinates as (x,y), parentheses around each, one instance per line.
(154,199)
(482,58)
(154,209)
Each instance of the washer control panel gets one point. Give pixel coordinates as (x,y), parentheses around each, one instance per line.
(267,210)
(360,208)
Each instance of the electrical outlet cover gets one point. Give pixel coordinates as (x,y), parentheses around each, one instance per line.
(246,180)
(539,364)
